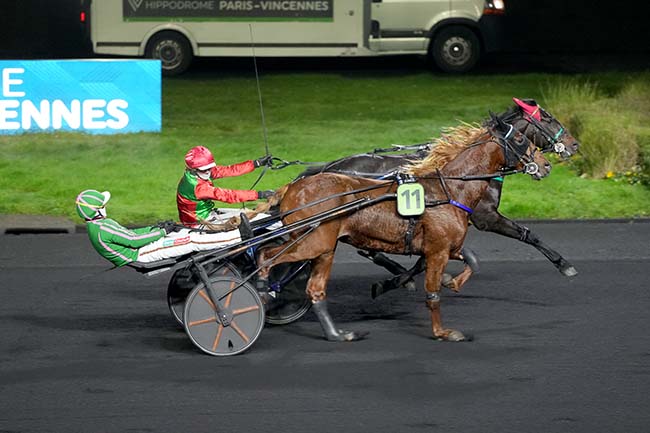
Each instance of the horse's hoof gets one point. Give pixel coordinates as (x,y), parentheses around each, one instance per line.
(569,271)
(347,336)
(410,286)
(446,280)
(455,335)
(469,257)
(355,336)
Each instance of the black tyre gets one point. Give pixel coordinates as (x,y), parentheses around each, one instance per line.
(290,303)
(173,50)
(184,280)
(455,49)
(205,329)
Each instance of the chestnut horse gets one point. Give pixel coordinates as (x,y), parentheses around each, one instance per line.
(527,117)
(458,170)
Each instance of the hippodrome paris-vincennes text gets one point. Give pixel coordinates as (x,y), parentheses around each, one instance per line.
(239,5)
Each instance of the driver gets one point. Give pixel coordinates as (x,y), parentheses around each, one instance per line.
(195,193)
(121,246)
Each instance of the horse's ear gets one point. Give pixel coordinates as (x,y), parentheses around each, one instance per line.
(532,109)
(497,122)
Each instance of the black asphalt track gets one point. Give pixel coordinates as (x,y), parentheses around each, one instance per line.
(83,350)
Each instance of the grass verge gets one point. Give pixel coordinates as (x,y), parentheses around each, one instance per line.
(310,116)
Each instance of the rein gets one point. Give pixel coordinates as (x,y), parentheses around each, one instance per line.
(259,95)
(400,147)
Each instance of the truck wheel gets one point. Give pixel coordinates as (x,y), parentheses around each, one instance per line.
(173,50)
(455,49)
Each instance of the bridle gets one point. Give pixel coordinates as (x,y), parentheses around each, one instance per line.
(514,153)
(553,140)
(517,152)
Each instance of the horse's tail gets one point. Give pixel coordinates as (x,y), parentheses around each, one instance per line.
(274,200)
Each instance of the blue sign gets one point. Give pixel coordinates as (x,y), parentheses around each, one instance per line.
(92,96)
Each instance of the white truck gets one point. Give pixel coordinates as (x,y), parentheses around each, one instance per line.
(454,33)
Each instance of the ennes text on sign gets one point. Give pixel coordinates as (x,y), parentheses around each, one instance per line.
(30,115)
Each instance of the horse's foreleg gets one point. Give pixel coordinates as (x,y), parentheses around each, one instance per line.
(316,290)
(493,221)
(560,262)
(435,265)
(459,280)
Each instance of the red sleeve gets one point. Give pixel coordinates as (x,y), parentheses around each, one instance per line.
(232,170)
(206,191)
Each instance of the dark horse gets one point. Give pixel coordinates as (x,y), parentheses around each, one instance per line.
(527,117)
(455,170)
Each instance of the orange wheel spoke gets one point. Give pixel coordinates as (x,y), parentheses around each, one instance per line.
(245,310)
(217,338)
(239,331)
(229,297)
(201,322)
(207,299)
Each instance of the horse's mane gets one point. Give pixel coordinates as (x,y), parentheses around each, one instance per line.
(445,148)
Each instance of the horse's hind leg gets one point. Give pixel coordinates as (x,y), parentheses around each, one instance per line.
(404,278)
(316,286)
(435,265)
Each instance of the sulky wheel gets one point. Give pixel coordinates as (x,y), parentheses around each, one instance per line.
(205,329)
(290,302)
(184,280)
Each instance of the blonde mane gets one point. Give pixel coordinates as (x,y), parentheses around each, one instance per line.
(445,148)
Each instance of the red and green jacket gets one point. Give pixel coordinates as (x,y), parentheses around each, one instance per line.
(118,244)
(195,196)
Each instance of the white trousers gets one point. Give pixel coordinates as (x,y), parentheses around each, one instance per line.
(186,241)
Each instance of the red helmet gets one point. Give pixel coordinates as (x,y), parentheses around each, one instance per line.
(199,158)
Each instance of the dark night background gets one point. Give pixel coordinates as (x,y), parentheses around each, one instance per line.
(50,28)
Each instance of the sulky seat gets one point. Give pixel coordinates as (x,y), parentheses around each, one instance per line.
(157,267)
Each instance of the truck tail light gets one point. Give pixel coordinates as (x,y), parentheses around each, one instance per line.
(494,7)
(82,17)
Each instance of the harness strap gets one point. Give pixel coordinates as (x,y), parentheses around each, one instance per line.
(461,206)
(408,236)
